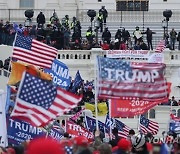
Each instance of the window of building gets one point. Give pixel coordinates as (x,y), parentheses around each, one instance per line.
(164,0)
(26,3)
(152,114)
(71,56)
(132,5)
(99,0)
(178,113)
(173,112)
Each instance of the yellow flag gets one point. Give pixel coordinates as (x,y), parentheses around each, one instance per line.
(18,69)
(102,108)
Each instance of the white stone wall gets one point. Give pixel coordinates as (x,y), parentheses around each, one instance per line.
(86,4)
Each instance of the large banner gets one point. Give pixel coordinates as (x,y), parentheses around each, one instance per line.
(76,130)
(60,74)
(127,53)
(128,80)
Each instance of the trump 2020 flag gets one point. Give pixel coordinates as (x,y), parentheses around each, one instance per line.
(31,51)
(128,80)
(90,124)
(148,126)
(38,101)
(77,82)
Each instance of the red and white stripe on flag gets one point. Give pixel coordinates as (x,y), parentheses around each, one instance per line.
(33,52)
(38,101)
(161,46)
(127,80)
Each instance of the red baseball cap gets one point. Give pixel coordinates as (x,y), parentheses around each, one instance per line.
(124,144)
(44,145)
(81,141)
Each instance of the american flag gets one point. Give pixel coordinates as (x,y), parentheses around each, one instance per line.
(127,80)
(33,52)
(38,101)
(123,130)
(161,46)
(148,126)
(57,127)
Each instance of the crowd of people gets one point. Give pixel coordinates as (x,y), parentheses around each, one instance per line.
(66,34)
(135,143)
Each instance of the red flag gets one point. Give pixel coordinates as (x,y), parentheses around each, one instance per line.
(38,101)
(33,52)
(76,130)
(131,108)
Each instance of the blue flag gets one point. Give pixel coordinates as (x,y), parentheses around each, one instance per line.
(174,126)
(19,131)
(109,122)
(60,73)
(91,125)
(77,82)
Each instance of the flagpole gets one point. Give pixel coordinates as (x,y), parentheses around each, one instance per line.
(12,52)
(138,124)
(109,102)
(95,87)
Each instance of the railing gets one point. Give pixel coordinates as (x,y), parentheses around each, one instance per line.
(132,16)
(116,19)
(17,15)
(171,57)
(4,73)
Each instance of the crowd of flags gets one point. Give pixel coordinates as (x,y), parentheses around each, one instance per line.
(39,101)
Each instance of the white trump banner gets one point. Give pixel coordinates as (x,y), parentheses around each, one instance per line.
(3,128)
(127,53)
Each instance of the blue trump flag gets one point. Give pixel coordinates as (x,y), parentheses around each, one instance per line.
(90,124)
(109,122)
(77,82)
(19,131)
(60,74)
